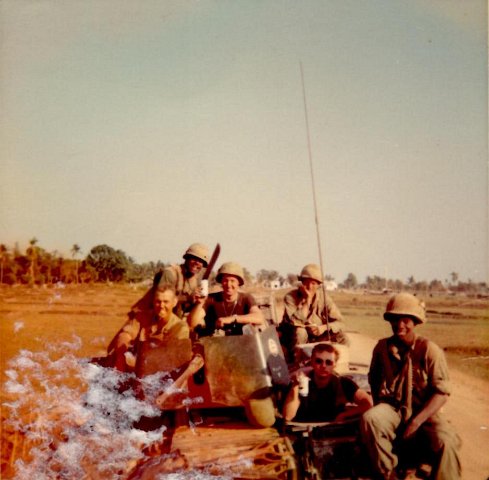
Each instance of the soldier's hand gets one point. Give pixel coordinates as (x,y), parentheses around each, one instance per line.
(411,429)
(317,330)
(199,296)
(221,321)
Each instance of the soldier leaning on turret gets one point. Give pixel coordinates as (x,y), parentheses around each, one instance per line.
(227,311)
(409,380)
(308,316)
(184,281)
(155,323)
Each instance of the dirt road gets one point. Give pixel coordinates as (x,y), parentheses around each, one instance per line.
(468,410)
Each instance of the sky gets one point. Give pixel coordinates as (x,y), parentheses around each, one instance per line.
(151,125)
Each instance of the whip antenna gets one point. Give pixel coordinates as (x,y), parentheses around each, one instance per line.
(316,218)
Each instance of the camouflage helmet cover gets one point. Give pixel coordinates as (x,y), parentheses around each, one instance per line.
(405,305)
(198,250)
(231,268)
(312,271)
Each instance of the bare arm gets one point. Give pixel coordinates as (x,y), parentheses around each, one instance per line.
(291,404)
(363,401)
(432,406)
(196,316)
(255,317)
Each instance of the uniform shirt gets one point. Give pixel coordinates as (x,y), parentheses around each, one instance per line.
(142,330)
(324,404)
(215,307)
(389,372)
(293,314)
(175,329)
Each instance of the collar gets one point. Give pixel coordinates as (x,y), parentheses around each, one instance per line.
(167,327)
(399,349)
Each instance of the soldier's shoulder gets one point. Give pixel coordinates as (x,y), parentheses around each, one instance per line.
(292,294)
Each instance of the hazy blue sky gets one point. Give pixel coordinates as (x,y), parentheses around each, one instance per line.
(151,125)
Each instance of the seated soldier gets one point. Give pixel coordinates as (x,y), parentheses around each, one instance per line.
(158,322)
(185,281)
(228,310)
(308,317)
(329,394)
(185,277)
(410,384)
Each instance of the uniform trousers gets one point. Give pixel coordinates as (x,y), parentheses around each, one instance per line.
(381,424)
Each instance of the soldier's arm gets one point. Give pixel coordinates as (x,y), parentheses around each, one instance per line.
(334,313)
(196,317)
(124,341)
(362,400)
(295,310)
(375,375)
(292,403)
(431,407)
(439,384)
(254,317)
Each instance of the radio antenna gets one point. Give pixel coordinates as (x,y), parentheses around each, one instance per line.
(316,218)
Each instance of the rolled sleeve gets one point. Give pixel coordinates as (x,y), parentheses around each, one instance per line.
(437,367)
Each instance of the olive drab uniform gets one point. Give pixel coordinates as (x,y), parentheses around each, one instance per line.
(142,309)
(142,326)
(403,379)
(293,329)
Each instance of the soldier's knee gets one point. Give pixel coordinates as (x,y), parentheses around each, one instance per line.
(378,418)
(445,440)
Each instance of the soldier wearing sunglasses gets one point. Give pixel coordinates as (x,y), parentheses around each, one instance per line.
(331,397)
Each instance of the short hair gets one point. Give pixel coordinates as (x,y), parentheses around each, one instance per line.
(325,347)
(163,287)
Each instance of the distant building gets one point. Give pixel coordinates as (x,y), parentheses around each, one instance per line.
(330,285)
(276,284)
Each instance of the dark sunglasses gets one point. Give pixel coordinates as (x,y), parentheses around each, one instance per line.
(320,361)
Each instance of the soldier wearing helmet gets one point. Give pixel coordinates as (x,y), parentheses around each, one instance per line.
(186,277)
(228,310)
(157,322)
(183,279)
(409,381)
(308,315)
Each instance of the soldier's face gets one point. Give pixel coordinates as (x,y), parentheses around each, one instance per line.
(310,285)
(323,364)
(403,328)
(164,302)
(230,285)
(194,265)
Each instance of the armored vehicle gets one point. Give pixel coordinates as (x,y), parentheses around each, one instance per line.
(225,406)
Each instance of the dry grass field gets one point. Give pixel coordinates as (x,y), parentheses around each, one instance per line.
(82,320)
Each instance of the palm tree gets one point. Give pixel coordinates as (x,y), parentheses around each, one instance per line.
(32,254)
(3,251)
(75,250)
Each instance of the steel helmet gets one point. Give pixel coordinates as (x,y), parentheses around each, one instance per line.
(405,305)
(199,251)
(231,268)
(311,271)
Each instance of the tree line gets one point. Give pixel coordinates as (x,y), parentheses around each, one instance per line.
(37,266)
